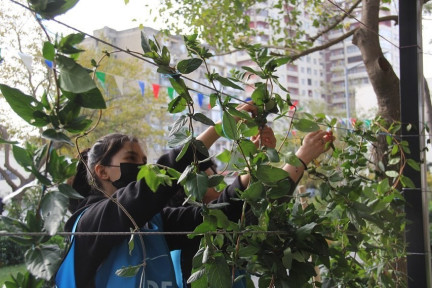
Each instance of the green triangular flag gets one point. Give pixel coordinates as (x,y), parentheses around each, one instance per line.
(101,77)
(171,93)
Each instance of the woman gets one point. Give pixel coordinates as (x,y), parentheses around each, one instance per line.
(113,163)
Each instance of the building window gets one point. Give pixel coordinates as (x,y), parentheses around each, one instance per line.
(309,71)
(309,81)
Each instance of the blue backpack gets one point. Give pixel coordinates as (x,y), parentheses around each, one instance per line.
(159,271)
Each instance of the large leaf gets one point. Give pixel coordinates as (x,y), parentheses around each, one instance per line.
(73,77)
(218,273)
(306,125)
(226,82)
(48,51)
(57,136)
(177,105)
(203,119)
(26,106)
(42,261)
(196,184)
(92,99)
(69,192)
(53,207)
(229,126)
(67,43)
(189,65)
(270,174)
(52,8)
(22,156)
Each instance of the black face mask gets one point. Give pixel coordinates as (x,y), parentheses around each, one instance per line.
(128,174)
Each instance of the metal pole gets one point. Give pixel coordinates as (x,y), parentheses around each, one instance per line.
(347,100)
(418,262)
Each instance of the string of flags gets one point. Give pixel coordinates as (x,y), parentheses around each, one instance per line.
(119,80)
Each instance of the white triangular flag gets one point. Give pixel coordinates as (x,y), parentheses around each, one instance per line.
(119,81)
(27,60)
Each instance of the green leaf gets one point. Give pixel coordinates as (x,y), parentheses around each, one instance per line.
(196,184)
(145,43)
(273,155)
(53,208)
(392,174)
(66,45)
(50,9)
(306,125)
(247,147)
(129,271)
(69,192)
(215,180)
(305,230)
(413,164)
(259,95)
(27,107)
(183,151)
(270,174)
(189,65)
(226,82)
(150,174)
(287,258)
(92,99)
(178,124)
(224,156)
(254,192)
(48,51)
(180,138)
(73,77)
(229,126)
(203,119)
(218,273)
(22,156)
(54,135)
(407,182)
(77,125)
(42,260)
(177,105)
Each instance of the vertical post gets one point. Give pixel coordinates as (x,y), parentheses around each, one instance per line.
(347,98)
(418,262)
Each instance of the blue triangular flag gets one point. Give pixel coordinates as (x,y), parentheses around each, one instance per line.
(49,63)
(200,99)
(142,86)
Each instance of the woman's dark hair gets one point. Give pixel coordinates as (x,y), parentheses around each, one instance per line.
(100,153)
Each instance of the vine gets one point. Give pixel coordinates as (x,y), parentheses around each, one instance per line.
(351,231)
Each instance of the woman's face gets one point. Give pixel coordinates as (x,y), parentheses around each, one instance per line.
(131,152)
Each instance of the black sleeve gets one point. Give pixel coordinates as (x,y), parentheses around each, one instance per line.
(106,216)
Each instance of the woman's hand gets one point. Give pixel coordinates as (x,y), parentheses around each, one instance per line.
(314,144)
(265,138)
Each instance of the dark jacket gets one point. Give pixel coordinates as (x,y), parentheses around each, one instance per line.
(103,215)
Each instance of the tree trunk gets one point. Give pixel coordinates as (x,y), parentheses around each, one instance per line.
(382,77)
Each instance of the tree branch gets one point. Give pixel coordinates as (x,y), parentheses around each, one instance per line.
(338,20)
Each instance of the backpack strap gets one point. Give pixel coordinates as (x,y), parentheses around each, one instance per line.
(65,277)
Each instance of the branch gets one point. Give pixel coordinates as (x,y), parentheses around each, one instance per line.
(340,19)
(324,46)
(8,179)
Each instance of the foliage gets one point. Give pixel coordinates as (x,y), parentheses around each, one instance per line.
(352,231)
(230,24)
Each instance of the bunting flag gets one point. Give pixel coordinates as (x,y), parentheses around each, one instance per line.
(119,81)
(156,90)
(101,76)
(248,99)
(49,64)
(294,105)
(209,106)
(27,60)
(142,86)
(170,92)
(200,99)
